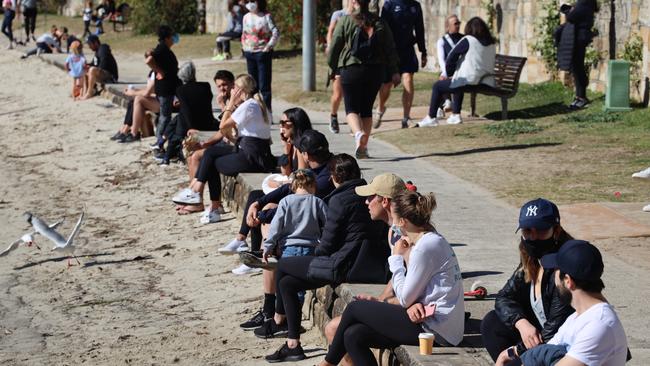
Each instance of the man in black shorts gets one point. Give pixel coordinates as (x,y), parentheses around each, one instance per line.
(103,68)
(404,17)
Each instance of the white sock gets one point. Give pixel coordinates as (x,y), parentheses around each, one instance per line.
(357,137)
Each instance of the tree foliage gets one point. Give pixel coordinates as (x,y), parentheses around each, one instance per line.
(148,15)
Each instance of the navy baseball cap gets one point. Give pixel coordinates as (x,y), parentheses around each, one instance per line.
(577,258)
(312,142)
(540,214)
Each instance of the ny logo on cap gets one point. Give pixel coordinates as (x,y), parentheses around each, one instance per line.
(532,211)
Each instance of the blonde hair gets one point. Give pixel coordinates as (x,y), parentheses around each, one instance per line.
(302,178)
(74,47)
(415,207)
(248,85)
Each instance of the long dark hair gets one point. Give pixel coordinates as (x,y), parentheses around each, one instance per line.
(529,265)
(262,6)
(364,17)
(593,3)
(478,29)
(343,167)
(300,120)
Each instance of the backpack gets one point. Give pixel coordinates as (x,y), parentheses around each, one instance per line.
(362,47)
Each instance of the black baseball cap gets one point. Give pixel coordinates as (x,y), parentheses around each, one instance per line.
(540,214)
(313,143)
(577,258)
(92,39)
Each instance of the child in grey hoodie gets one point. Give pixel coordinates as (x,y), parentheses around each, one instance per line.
(296,227)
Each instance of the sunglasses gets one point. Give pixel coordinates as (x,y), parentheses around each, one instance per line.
(285,122)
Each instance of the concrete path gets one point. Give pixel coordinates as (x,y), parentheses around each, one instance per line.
(480,227)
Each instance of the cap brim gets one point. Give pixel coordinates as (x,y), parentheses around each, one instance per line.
(540,225)
(549,261)
(364,191)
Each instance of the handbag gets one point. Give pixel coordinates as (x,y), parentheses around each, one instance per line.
(325,268)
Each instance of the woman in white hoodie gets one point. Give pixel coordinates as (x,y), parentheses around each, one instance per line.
(468,62)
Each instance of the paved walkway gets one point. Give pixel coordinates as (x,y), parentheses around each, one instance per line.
(480,227)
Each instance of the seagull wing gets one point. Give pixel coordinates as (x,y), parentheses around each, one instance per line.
(75,231)
(12,247)
(42,228)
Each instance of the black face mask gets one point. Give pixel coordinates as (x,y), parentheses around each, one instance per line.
(538,248)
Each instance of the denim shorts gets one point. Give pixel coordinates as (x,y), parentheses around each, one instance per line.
(297,251)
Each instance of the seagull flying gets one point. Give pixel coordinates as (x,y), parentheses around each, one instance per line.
(61,244)
(26,239)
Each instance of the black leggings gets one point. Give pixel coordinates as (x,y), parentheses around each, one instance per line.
(496,335)
(290,279)
(440,89)
(30,20)
(361,84)
(244,229)
(86,28)
(128,116)
(580,77)
(371,324)
(222,159)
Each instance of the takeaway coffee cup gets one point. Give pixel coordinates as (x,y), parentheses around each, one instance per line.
(426,343)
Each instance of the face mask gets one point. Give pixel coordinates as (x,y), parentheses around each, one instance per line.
(235,8)
(251,6)
(538,248)
(396,229)
(176,38)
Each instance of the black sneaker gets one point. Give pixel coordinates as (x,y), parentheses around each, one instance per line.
(334,124)
(285,353)
(129,138)
(118,136)
(271,330)
(255,322)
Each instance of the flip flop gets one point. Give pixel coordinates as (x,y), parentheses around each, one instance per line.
(187,210)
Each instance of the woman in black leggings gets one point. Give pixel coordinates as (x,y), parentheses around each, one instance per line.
(430,293)
(251,153)
(362,69)
(348,226)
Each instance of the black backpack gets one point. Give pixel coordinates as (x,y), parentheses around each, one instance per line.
(362,47)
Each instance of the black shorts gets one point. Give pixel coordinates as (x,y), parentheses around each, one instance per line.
(360,87)
(408,61)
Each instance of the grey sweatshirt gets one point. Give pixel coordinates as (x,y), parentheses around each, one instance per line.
(298,221)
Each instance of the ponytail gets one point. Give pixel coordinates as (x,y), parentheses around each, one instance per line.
(415,207)
(258,97)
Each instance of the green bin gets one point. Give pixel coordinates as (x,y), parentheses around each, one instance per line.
(617,96)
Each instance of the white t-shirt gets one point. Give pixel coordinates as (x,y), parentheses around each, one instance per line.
(595,337)
(433,277)
(250,121)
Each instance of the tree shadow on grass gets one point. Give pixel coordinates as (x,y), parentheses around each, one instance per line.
(473,151)
(547,110)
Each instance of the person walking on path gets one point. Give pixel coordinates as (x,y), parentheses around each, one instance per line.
(573,38)
(29,13)
(335,77)
(362,48)
(163,61)
(259,36)
(528,310)
(404,17)
(444,46)
(233,31)
(471,63)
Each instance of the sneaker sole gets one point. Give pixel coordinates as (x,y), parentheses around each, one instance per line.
(248,329)
(254,262)
(288,358)
(180,202)
(282,334)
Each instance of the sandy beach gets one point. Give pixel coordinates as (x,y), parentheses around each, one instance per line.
(151,288)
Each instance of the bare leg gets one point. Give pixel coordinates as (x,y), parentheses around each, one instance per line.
(140,106)
(355,124)
(330,331)
(193,163)
(337,95)
(93,74)
(384,94)
(407,94)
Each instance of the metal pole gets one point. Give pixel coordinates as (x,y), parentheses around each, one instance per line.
(309,45)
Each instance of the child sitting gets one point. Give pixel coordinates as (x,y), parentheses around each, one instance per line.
(296,227)
(75,64)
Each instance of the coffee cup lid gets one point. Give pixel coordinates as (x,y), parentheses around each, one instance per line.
(427,335)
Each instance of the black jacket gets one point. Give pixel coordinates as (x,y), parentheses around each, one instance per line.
(565,41)
(348,231)
(196,105)
(582,17)
(513,303)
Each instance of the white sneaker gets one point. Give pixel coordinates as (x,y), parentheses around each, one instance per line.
(644,174)
(440,113)
(428,122)
(187,197)
(244,269)
(454,119)
(646,208)
(234,247)
(210,217)
(447,105)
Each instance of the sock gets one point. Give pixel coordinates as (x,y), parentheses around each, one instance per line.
(357,137)
(268,309)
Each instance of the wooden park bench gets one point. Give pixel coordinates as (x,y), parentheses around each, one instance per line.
(507,70)
(121,17)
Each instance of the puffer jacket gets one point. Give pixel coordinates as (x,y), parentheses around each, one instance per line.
(513,303)
(347,230)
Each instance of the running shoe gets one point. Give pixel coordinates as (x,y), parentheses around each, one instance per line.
(378,118)
(244,270)
(427,122)
(118,136)
(255,322)
(285,353)
(454,119)
(334,124)
(235,246)
(210,216)
(271,330)
(187,197)
(129,138)
(644,174)
(405,122)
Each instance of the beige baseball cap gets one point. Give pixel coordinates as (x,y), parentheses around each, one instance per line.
(385,185)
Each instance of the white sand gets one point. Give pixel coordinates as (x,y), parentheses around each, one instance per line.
(180,306)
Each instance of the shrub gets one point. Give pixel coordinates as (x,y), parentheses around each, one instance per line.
(287,15)
(148,15)
(512,128)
